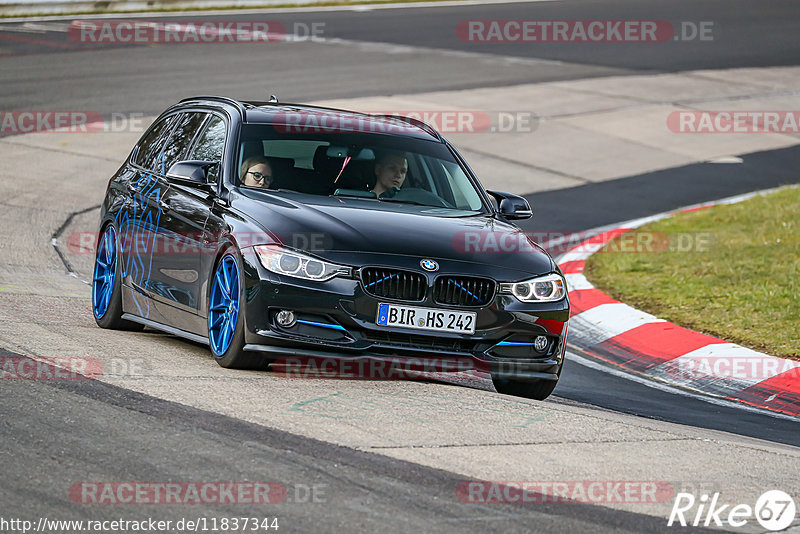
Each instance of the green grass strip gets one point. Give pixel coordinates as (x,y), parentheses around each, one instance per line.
(731,271)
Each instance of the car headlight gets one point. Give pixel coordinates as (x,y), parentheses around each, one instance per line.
(547,288)
(288,262)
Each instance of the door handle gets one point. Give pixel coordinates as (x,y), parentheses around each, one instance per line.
(163,205)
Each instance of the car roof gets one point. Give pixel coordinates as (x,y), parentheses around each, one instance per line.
(304,117)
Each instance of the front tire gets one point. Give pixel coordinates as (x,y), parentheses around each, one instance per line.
(226,316)
(107,284)
(536,389)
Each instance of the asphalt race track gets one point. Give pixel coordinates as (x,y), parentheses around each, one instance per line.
(358,455)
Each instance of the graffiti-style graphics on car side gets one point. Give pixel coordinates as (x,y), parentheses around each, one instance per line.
(138,231)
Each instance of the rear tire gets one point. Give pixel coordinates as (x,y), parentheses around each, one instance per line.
(226,314)
(107,284)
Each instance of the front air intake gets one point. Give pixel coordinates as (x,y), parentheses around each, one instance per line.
(463,291)
(394,284)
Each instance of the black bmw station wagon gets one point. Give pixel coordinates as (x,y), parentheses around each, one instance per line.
(267,230)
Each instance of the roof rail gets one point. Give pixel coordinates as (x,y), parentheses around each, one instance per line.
(302,106)
(222,99)
(415,122)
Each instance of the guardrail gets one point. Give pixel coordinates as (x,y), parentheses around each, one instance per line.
(10,8)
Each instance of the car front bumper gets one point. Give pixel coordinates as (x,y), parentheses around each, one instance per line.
(336,319)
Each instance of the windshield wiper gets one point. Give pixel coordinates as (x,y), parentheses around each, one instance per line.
(353,193)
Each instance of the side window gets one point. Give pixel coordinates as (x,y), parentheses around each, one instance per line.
(150,147)
(211,145)
(182,135)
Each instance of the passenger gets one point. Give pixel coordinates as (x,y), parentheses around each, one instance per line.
(256,172)
(390,173)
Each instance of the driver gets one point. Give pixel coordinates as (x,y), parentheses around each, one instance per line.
(390,173)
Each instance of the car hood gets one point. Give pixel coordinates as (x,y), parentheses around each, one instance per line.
(349,230)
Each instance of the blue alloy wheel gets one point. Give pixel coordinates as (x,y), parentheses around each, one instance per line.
(105,272)
(223,309)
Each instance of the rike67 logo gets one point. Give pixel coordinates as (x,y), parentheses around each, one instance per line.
(774,510)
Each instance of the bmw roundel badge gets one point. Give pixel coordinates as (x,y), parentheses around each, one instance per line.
(429,265)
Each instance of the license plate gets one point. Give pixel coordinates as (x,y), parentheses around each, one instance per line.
(426,319)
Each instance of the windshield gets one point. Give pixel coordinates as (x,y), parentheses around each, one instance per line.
(383,168)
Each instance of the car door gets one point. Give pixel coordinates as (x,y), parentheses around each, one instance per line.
(174,276)
(188,207)
(140,221)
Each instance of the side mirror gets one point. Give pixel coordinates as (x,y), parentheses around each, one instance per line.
(512,206)
(192,171)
